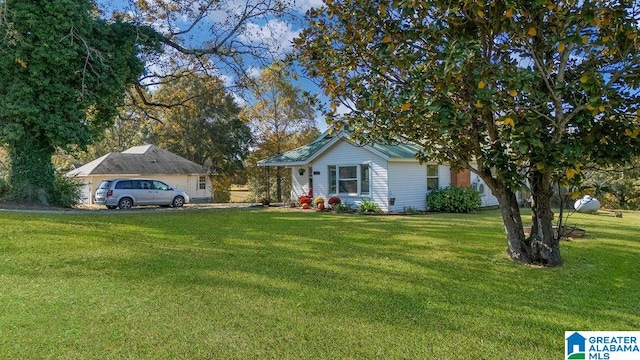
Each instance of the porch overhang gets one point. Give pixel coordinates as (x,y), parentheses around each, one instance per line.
(265,163)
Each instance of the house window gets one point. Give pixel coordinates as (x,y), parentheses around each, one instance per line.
(364,179)
(202,183)
(352,180)
(432,177)
(332,180)
(348,179)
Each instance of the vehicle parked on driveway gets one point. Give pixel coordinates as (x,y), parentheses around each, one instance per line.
(125,193)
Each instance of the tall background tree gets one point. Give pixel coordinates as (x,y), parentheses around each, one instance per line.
(616,187)
(65,67)
(520,92)
(202,125)
(63,73)
(282,118)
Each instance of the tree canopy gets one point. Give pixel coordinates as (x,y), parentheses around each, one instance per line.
(63,72)
(520,92)
(205,127)
(67,64)
(225,37)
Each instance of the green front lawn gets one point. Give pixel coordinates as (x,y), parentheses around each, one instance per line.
(275,284)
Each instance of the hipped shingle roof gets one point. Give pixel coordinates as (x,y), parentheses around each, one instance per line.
(140,160)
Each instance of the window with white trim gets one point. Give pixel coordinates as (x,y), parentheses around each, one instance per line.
(349,180)
(364,179)
(202,183)
(432,177)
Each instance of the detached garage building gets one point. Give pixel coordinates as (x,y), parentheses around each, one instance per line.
(147,161)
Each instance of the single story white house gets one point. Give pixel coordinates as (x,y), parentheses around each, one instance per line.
(146,161)
(389,175)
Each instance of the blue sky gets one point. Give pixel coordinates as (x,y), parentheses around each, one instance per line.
(275,34)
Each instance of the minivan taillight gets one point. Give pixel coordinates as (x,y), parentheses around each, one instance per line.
(109,193)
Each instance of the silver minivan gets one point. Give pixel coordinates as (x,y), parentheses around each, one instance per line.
(125,193)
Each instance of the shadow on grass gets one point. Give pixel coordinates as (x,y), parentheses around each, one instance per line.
(433,275)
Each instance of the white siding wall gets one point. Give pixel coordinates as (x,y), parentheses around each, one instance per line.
(345,154)
(486,196)
(408,184)
(299,183)
(444,176)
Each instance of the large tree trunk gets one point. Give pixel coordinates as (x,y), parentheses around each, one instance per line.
(32,175)
(544,241)
(516,245)
(542,247)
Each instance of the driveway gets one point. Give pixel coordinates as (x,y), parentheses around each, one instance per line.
(84,209)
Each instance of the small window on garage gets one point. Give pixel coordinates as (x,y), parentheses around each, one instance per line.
(202,183)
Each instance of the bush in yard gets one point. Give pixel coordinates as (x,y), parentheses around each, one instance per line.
(368,206)
(4,188)
(453,200)
(342,208)
(334,200)
(304,199)
(67,192)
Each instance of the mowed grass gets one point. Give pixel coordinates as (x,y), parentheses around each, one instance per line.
(276,284)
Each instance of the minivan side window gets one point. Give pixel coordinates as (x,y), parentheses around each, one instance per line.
(159,185)
(125,184)
(143,184)
(104,185)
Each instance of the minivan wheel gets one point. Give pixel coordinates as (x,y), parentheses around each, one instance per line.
(178,201)
(125,203)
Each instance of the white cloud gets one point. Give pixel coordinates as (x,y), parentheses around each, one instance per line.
(303,5)
(254,72)
(343,109)
(276,35)
(321,122)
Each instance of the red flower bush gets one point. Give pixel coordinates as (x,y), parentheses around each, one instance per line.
(334,200)
(304,199)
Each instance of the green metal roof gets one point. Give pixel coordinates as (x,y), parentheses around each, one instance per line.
(297,156)
(303,154)
(397,151)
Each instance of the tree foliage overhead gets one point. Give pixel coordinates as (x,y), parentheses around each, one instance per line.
(205,127)
(63,72)
(514,90)
(222,37)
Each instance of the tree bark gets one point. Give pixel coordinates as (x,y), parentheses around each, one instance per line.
(512,220)
(542,247)
(544,241)
(32,174)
